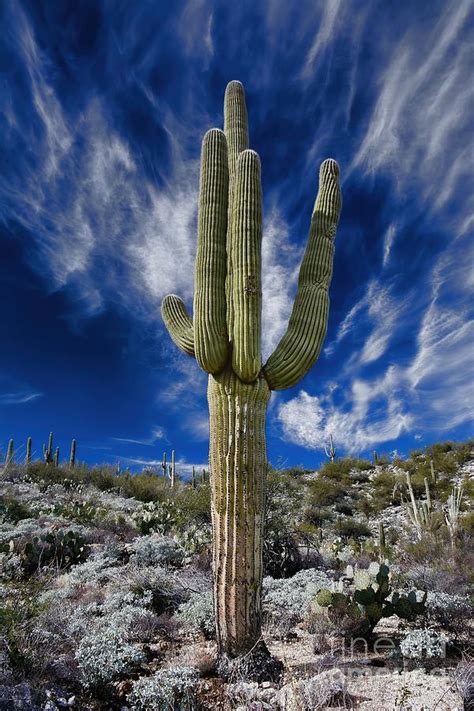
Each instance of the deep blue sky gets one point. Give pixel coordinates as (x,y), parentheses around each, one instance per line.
(103,107)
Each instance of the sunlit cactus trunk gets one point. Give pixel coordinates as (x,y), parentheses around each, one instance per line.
(238,466)
(224,336)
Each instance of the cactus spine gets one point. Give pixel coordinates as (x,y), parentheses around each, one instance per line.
(330,451)
(224,335)
(29,443)
(72,456)
(9,457)
(56,457)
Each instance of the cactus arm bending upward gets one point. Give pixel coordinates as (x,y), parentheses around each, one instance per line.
(246,241)
(237,136)
(299,348)
(210,329)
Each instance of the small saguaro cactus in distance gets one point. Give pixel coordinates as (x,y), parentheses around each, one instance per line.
(163,465)
(193,477)
(224,336)
(56,457)
(9,457)
(29,443)
(48,453)
(72,456)
(382,545)
(173,470)
(330,451)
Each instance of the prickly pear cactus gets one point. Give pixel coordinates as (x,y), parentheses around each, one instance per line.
(224,336)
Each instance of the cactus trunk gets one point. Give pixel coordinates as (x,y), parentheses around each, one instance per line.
(238,467)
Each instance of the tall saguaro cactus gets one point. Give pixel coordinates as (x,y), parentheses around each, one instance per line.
(224,335)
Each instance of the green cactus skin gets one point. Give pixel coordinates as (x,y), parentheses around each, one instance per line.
(29,443)
(193,478)
(48,454)
(72,457)
(56,457)
(9,457)
(225,337)
(299,348)
(163,465)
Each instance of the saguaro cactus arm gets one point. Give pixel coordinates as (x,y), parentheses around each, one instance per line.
(178,323)
(237,136)
(246,241)
(299,348)
(210,330)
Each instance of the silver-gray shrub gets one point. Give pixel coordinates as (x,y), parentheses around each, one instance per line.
(286,600)
(156,550)
(197,614)
(172,689)
(112,646)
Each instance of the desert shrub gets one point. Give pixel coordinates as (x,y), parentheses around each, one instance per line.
(105,655)
(386,489)
(363,465)
(450,612)
(195,540)
(318,515)
(195,504)
(157,550)
(170,689)
(13,510)
(285,601)
(350,528)
(339,470)
(281,556)
(423,643)
(197,614)
(366,505)
(158,517)
(344,508)
(112,644)
(324,492)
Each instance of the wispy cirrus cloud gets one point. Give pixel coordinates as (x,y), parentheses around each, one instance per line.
(434,391)
(18,398)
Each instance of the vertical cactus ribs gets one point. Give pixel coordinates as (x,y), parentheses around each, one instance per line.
(225,337)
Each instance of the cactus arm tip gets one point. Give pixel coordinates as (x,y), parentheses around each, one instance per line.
(299,348)
(178,323)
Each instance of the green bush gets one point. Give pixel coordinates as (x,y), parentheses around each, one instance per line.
(350,528)
(324,492)
(13,510)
